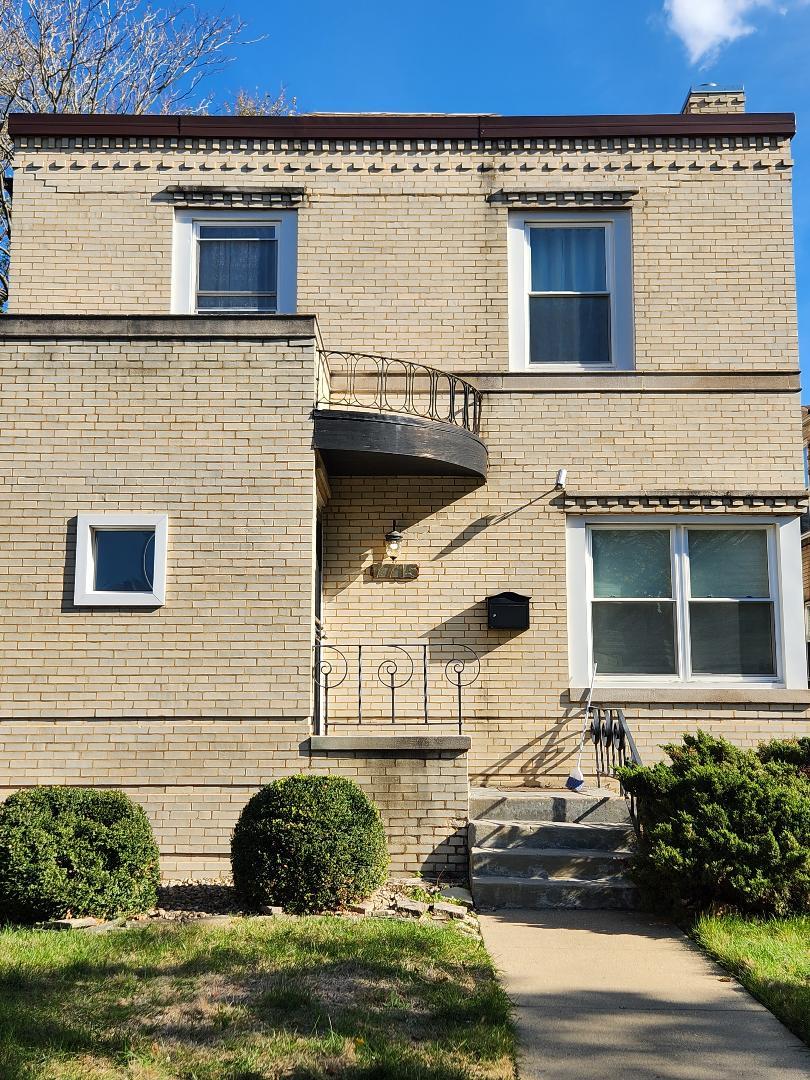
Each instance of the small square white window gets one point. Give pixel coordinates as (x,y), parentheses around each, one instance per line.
(234,263)
(121,560)
(570,291)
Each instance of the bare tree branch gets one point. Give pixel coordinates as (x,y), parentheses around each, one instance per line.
(107,56)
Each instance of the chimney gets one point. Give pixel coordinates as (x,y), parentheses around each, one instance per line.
(711,98)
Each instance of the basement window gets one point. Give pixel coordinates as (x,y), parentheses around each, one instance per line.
(121,560)
(234,263)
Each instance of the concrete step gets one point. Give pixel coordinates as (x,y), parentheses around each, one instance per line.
(549,834)
(536,894)
(536,863)
(535,804)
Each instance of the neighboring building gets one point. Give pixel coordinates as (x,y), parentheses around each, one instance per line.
(204,453)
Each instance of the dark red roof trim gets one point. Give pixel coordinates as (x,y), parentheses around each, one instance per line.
(366,126)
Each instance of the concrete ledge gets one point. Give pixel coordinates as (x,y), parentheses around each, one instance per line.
(412,744)
(157,327)
(627,695)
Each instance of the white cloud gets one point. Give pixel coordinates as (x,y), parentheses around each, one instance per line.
(705,26)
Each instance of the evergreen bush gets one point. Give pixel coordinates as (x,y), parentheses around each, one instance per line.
(75,851)
(722,827)
(308,843)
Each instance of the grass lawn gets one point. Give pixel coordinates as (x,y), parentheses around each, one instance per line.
(256,1000)
(770,957)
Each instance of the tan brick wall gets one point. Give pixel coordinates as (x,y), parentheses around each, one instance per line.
(216,435)
(400,252)
(194,776)
(470,542)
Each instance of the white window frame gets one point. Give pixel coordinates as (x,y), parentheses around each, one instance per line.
(84,592)
(619,270)
(184,258)
(785,575)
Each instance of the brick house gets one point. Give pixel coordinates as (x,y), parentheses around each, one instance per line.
(558,352)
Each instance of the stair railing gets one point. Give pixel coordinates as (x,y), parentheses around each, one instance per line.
(614,745)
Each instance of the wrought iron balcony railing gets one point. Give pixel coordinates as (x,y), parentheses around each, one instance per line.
(351,380)
(382,683)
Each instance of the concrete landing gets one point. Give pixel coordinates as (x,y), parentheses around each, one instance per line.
(608,994)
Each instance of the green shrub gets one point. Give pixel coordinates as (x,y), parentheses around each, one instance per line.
(308,843)
(720,827)
(794,752)
(77,851)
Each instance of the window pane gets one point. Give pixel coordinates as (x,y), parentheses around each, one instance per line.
(634,638)
(237,232)
(569,329)
(568,260)
(732,639)
(236,303)
(237,266)
(124,560)
(631,562)
(728,562)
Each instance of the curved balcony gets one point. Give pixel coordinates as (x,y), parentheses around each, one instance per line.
(376,415)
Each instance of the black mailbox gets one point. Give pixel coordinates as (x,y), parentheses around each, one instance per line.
(508,611)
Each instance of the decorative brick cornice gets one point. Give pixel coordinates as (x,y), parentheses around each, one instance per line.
(241,198)
(791,502)
(567,199)
(680,145)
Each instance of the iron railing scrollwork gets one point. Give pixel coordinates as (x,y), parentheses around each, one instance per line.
(614,745)
(383,384)
(376,673)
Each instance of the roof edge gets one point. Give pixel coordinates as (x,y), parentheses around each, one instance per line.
(371,126)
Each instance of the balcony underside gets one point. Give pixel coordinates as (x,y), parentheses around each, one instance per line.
(357,443)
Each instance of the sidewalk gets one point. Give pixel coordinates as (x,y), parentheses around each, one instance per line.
(613,995)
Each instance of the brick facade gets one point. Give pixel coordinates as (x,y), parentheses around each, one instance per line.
(402,250)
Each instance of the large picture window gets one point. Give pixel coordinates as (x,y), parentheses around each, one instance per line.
(683,601)
(570,291)
(689,601)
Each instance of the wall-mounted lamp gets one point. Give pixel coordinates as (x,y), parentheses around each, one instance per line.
(393,543)
(562,477)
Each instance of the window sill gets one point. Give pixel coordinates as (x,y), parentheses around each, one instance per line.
(411,744)
(721,695)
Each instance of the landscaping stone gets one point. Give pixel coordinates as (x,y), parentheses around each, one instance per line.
(412,907)
(456,892)
(452,911)
(214,903)
(72,924)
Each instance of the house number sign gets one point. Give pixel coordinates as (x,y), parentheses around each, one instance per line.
(394,571)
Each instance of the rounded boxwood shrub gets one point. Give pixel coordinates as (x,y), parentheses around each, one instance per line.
(75,851)
(722,827)
(308,843)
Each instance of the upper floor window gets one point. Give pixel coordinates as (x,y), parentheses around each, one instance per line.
(570,291)
(234,263)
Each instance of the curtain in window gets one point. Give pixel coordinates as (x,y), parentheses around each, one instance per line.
(572,328)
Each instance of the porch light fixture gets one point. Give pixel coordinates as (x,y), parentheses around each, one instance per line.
(393,543)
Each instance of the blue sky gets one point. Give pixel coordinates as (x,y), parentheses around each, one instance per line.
(581,57)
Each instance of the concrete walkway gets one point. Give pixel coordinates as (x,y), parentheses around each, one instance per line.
(613,995)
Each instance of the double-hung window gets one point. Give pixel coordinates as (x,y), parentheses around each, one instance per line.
(570,291)
(695,602)
(232,263)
